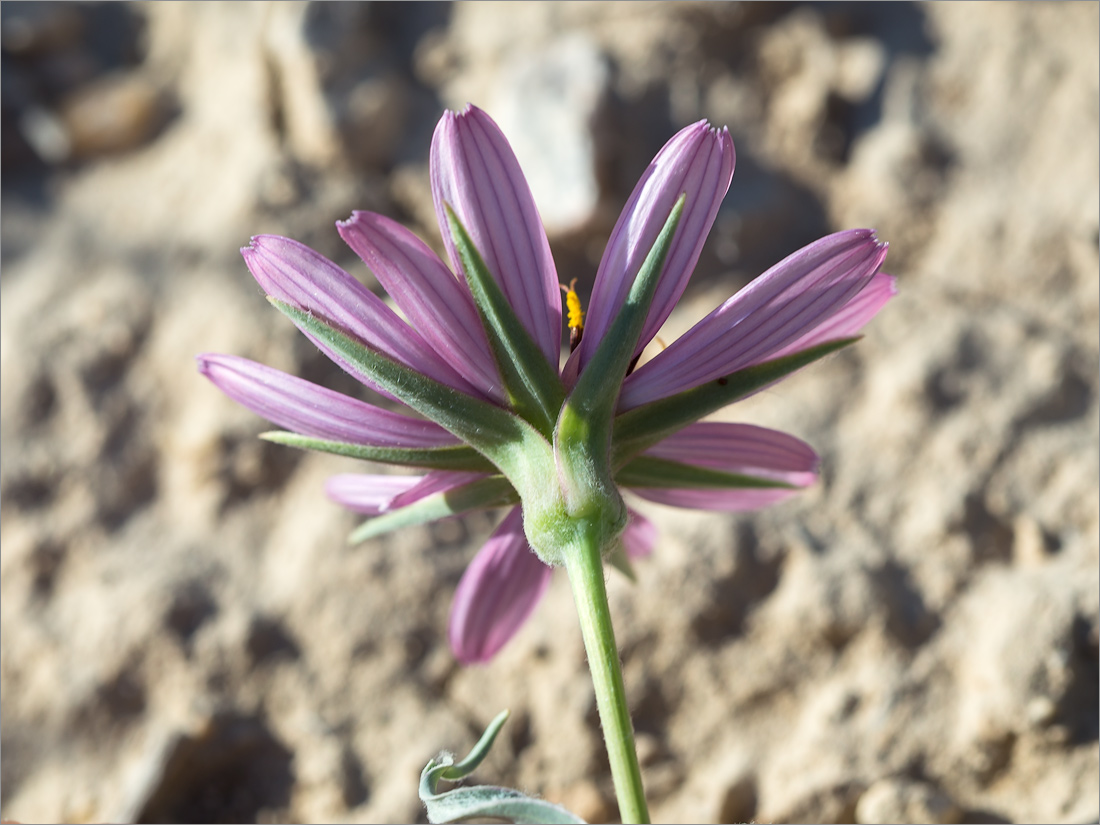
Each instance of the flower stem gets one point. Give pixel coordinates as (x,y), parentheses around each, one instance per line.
(585,568)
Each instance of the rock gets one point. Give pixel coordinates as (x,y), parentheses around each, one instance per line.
(828,803)
(1030,545)
(547,101)
(114,114)
(1015,672)
(37,28)
(901,800)
(298,93)
(738,801)
(375,119)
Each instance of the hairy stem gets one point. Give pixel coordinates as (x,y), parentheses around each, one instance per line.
(586,576)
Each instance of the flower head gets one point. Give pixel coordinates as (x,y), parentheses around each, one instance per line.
(477,356)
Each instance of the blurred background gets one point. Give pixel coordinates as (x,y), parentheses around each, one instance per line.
(186,635)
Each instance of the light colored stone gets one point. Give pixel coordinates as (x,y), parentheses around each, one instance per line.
(901,800)
(116,113)
(547,101)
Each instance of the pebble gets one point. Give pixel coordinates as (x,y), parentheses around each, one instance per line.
(898,799)
(546,103)
(115,113)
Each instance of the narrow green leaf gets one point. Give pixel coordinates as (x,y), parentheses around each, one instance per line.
(505,439)
(621,562)
(597,390)
(459,457)
(532,382)
(582,439)
(642,427)
(478,752)
(482,801)
(647,471)
(494,491)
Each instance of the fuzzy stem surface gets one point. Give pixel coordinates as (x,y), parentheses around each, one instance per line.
(586,577)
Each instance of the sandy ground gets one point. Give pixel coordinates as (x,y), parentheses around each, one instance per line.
(186,635)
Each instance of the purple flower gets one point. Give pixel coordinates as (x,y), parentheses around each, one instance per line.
(459,339)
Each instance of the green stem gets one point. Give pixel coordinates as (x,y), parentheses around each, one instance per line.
(585,568)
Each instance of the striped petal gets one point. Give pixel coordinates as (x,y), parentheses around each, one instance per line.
(295,274)
(369,494)
(308,409)
(438,481)
(474,170)
(743,449)
(851,319)
(726,501)
(497,593)
(377,494)
(432,299)
(783,306)
(698,161)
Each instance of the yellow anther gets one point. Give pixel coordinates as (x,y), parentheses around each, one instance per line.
(575,315)
(575,318)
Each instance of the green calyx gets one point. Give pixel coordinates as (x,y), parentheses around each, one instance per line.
(582,436)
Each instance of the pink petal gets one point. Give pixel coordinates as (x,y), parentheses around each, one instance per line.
(295,274)
(370,494)
(851,318)
(728,501)
(474,170)
(782,306)
(308,409)
(437,481)
(698,161)
(734,448)
(640,536)
(497,593)
(741,448)
(432,299)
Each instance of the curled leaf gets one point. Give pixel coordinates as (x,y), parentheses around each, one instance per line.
(481,800)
